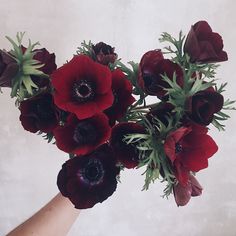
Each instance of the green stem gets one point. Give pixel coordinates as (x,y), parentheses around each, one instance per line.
(146,106)
(140,110)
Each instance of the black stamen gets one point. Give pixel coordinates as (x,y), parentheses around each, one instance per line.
(178,148)
(83,91)
(93,172)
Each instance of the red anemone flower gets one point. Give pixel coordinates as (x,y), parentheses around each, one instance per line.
(161,112)
(189,148)
(90,179)
(83,87)
(151,69)
(122,92)
(126,154)
(82,136)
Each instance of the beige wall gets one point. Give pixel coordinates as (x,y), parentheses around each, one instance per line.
(29,166)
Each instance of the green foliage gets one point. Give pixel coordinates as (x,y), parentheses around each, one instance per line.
(86,49)
(221,116)
(49,137)
(178,57)
(23,86)
(71,155)
(151,152)
(150,146)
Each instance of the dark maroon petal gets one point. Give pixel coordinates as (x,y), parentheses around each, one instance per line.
(161,112)
(196,187)
(203,45)
(203,105)
(217,42)
(29,124)
(152,68)
(64,138)
(8,69)
(191,45)
(182,194)
(47,59)
(89,179)
(122,92)
(150,60)
(61,180)
(126,154)
(104,53)
(39,113)
(181,172)
(202,29)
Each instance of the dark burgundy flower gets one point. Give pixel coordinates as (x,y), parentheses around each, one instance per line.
(189,148)
(38,113)
(83,87)
(122,92)
(104,53)
(183,193)
(202,106)
(203,45)
(151,69)
(47,59)
(161,112)
(8,69)
(126,154)
(87,180)
(82,136)
(49,65)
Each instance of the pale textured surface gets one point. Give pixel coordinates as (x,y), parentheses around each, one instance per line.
(29,166)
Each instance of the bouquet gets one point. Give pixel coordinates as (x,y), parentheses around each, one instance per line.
(96,109)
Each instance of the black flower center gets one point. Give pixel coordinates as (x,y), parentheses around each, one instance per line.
(93,172)
(44,110)
(85,133)
(178,148)
(83,91)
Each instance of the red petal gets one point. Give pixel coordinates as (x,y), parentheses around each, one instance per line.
(182,194)
(196,187)
(169,147)
(103,78)
(64,138)
(202,30)
(194,160)
(217,42)
(105,101)
(83,110)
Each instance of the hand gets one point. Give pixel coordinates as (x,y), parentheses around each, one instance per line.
(55,218)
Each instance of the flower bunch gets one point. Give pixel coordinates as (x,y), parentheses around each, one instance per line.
(95,108)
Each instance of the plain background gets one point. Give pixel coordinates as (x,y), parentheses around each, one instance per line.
(29,166)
